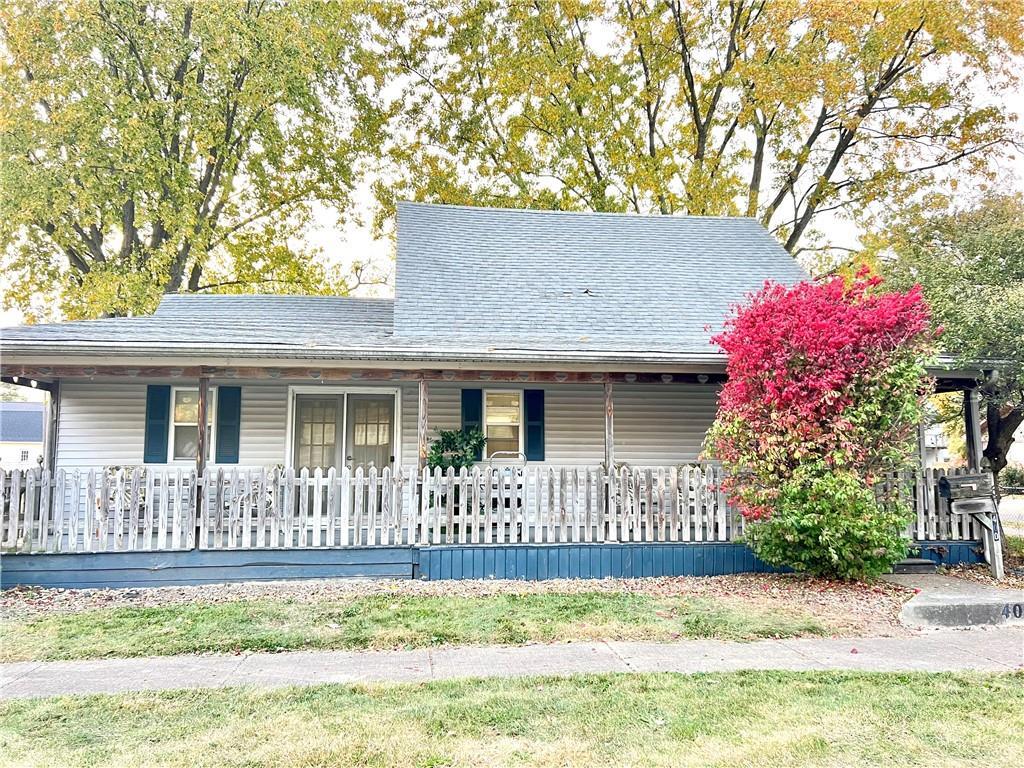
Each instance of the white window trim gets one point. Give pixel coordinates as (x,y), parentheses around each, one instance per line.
(289,443)
(522,418)
(211,421)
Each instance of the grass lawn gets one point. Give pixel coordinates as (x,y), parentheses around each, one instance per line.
(735,719)
(392,621)
(1014,545)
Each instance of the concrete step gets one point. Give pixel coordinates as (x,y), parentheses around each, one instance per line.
(945,601)
(915,565)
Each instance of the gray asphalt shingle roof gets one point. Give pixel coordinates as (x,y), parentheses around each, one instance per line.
(557,280)
(480,283)
(21,422)
(188,320)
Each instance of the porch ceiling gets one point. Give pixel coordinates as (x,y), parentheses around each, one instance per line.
(48,368)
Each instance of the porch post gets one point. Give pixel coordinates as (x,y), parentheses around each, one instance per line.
(50,447)
(421,423)
(609,428)
(204,393)
(922,443)
(972,428)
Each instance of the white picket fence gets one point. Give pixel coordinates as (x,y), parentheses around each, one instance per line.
(97,511)
(548,505)
(933,519)
(145,509)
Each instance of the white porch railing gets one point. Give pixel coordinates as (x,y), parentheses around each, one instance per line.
(145,509)
(97,511)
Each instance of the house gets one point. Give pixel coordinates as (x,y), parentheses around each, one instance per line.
(297,426)
(21,435)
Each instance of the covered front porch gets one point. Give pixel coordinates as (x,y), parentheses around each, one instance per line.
(286,460)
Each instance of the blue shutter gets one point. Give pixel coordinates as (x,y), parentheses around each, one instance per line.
(229,423)
(158,415)
(473,412)
(533,405)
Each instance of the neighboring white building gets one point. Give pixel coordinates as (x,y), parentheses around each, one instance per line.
(21,435)
(936,446)
(1016,453)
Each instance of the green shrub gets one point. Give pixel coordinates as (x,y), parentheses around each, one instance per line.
(828,522)
(456,448)
(1012,476)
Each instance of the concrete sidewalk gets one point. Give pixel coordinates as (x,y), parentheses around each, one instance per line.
(945,601)
(991,650)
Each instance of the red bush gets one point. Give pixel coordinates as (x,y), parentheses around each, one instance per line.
(819,371)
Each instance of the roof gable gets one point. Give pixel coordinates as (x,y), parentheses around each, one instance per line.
(554,280)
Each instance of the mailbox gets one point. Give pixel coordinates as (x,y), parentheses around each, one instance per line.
(975,495)
(976,486)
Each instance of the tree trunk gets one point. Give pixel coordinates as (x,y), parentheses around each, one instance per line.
(1001,429)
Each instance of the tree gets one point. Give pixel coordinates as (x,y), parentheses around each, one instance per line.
(170,145)
(11,393)
(825,390)
(971,267)
(781,109)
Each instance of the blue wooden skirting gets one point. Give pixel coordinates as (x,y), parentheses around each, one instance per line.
(597,561)
(517,561)
(157,569)
(951,552)
(586,561)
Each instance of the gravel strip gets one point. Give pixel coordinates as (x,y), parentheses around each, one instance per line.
(1014,578)
(848,608)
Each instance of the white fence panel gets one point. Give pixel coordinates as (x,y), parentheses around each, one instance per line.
(146,509)
(98,511)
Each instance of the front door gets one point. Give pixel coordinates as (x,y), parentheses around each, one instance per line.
(335,430)
(370,430)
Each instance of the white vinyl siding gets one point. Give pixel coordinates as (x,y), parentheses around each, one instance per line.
(100,424)
(654,423)
(103,424)
(662,423)
(262,437)
(409,392)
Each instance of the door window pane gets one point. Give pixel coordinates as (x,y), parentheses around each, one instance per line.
(371,426)
(315,432)
(503,417)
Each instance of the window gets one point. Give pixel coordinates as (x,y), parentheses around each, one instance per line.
(184,431)
(24,455)
(503,422)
